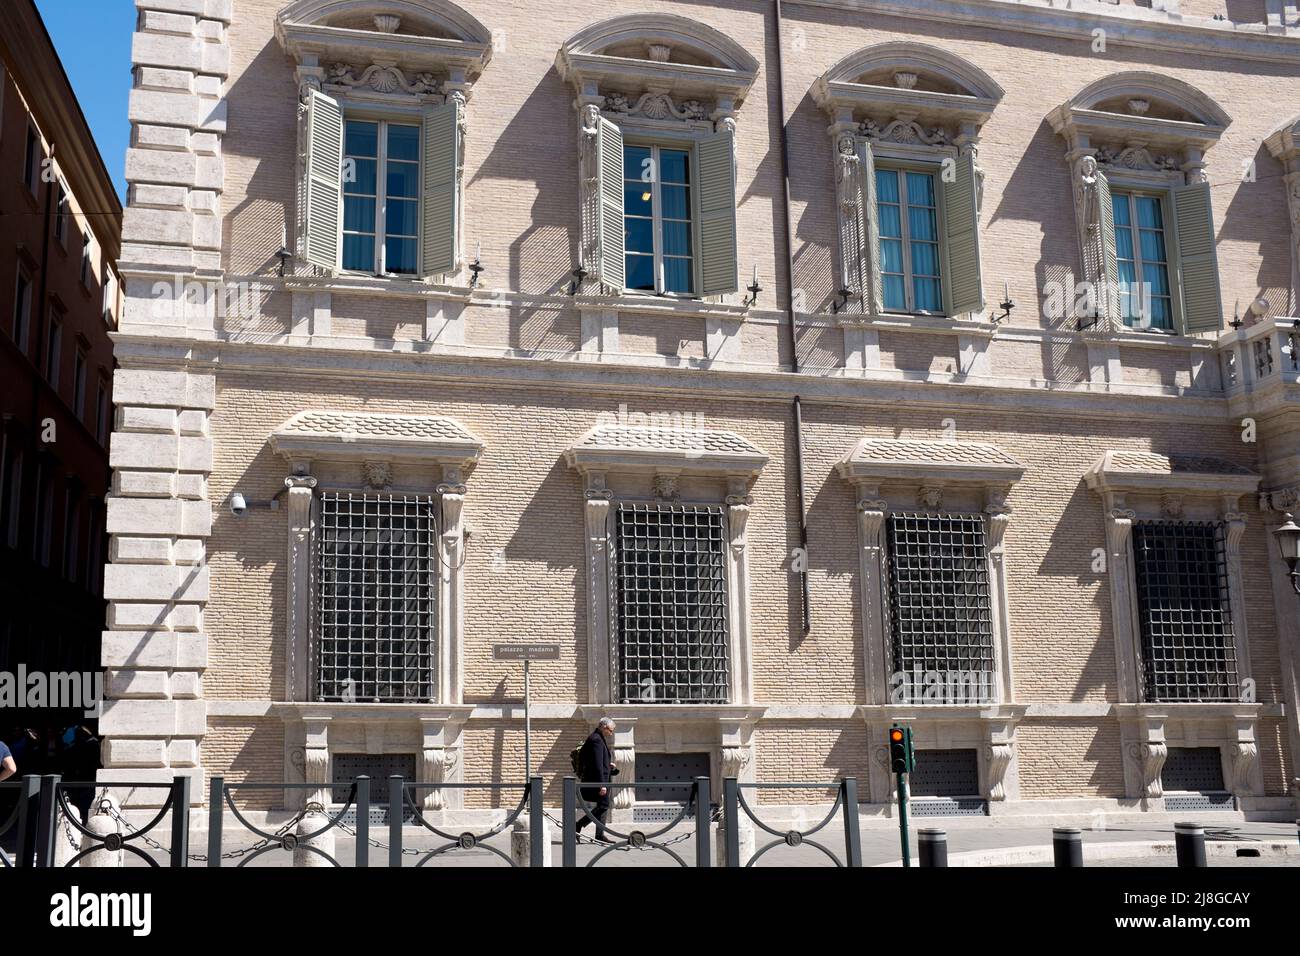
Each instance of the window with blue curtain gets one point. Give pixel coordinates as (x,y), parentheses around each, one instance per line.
(657,219)
(381,197)
(908,213)
(1142,256)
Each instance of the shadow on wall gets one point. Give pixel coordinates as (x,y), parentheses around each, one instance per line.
(543,257)
(1257,215)
(1069,555)
(265,101)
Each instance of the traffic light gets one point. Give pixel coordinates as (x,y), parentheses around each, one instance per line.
(901,757)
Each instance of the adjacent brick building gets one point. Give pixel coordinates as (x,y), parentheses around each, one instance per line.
(60,227)
(673,335)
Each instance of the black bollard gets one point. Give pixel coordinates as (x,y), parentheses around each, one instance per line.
(932,844)
(1189,842)
(1067,846)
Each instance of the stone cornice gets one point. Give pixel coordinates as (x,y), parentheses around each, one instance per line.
(1123,472)
(349,436)
(878,460)
(1125,26)
(487,368)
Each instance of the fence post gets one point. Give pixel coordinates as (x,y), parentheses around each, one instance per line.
(570,820)
(45,820)
(703,832)
(216,794)
(180,852)
(1189,842)
(1067,846)
(932,846)
(363,820)
(537,848)
(730,819)
(29,812)
(395,808)
(852,838)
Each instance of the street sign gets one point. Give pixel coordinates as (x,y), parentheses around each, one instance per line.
(526,652)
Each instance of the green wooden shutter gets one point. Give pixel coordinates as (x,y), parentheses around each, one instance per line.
(323,193)
(1107,297)
(610,227)
(873,296)
(963,285)
(439,253)
(1198,260)
(717,204)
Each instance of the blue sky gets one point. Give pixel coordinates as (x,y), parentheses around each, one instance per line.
(93,38)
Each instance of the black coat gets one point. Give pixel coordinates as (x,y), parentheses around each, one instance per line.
(595,758)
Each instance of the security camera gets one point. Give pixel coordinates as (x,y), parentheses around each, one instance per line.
(238,506)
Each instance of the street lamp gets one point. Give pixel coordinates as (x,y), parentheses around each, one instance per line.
(1288,542)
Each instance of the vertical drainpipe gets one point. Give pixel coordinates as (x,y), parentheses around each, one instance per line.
(792,322)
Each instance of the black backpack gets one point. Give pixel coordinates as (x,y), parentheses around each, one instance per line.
(575,758)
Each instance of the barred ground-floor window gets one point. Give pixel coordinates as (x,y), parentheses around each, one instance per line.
(940,611)
(1184,611)
(669,591)
(377,614)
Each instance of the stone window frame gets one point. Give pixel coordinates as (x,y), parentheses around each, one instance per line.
(657,100)
(611,457)
(1135,152)
(1140,486)
(889,472)
(905,126)
(401,74)
(374,442)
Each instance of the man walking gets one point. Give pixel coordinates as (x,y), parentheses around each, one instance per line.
(596,766)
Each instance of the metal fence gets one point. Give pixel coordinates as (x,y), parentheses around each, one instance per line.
(43,810)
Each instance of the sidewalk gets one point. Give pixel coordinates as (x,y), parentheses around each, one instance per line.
(968,845)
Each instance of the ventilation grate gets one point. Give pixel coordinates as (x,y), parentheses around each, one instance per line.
(948,807)
(653,769)
(378,767)
(945,773)
(1191,802)
(1194,769)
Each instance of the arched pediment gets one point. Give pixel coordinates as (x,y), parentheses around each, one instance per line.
(664,51)
(1151,95)
(935,70)
(687,42)
(912,81)
(415,36)
(418,18)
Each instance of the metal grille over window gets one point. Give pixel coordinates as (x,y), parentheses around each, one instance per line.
(1188,647)
(672,604)
(941,623)
(377,598)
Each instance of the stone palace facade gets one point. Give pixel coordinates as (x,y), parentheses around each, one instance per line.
(794,369)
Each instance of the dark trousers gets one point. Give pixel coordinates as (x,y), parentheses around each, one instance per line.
(590,794)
